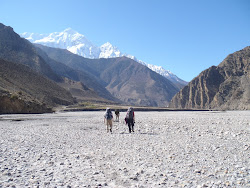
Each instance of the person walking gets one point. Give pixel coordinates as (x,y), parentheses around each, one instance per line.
(130,119)
(108,118)
(117,114)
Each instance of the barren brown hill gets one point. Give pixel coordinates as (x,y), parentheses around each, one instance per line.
(27,88)
(225,87)
(81,84)
(125,79)
(13,48)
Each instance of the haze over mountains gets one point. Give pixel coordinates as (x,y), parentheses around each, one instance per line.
(80,45)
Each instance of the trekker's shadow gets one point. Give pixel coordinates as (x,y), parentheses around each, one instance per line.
(142,133)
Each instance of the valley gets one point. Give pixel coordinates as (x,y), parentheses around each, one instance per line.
(52,76)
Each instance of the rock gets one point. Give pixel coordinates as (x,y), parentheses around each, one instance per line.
(122,160)
(225,87)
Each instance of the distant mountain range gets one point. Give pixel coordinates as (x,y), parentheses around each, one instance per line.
(80,45)
(129,81)
(34,78)
(41,76)
(222,87)
(27,82)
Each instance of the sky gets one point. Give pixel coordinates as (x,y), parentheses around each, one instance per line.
(183,36)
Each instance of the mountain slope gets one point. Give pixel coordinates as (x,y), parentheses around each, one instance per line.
(226,86)
(124,78)
(80,45)
(169,75)
(133,83)
(13,48)
(30,87)
(97,90)
(20,63)
(68,39)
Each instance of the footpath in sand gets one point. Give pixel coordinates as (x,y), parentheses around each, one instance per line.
(168,149)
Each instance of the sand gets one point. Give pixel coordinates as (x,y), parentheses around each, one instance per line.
(167,149)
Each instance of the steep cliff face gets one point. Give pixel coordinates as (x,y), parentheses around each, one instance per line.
(225,87)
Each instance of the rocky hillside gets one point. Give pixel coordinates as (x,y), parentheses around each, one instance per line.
(80,45)
(13,48)
(25,86)
(125,79)
(134,83)
(30,72)
(225,87)
(81,84)
(10,104)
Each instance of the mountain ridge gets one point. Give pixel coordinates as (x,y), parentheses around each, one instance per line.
(126,79)
(37,80)
(23,90)
(80,45)
(222,87)
(83,76)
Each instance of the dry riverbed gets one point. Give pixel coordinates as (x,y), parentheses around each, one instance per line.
(167,149)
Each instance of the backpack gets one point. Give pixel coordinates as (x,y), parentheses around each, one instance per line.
(130,114)
(109,115)
(117,112)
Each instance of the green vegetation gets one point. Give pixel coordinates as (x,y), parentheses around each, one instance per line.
(90,106)
(13,97)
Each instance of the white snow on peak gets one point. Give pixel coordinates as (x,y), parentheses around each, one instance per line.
(68,39)
(32,36)
(78,44)
(70,31)
(109,51)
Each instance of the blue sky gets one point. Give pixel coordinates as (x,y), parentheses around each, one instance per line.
(185,37)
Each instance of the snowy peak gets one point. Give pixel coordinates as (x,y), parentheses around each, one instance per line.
(166,73)
(32,36)
(70,31)
(78,44)
(161,70)
(107,45)
(109,51)
(68,39)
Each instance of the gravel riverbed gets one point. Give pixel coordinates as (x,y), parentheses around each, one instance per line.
(167,149)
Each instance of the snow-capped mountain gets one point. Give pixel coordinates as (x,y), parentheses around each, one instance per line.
(109,51)
(68,39)
(80,45)
(166,73)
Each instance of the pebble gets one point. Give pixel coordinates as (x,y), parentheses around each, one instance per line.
(167,149)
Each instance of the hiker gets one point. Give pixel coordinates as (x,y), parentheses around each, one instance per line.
(117,114)
(130,119)
(108,117)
